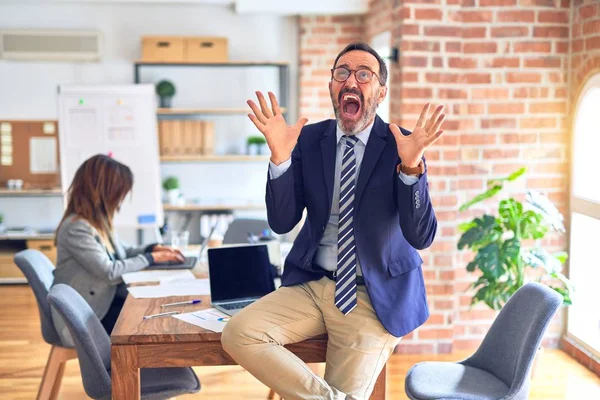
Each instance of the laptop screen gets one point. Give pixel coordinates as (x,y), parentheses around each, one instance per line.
(239,271)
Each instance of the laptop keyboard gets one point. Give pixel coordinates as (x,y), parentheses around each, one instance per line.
(233,306)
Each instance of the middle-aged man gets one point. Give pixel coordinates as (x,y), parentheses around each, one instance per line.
(353,271)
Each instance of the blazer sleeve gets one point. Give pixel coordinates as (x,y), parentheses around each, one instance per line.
(132,251)
(417,217)
(285,196)
(91,255)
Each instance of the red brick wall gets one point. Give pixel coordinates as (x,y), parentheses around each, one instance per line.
(321,39)
(500,67)
(585,45)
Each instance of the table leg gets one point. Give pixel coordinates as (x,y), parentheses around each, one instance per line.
(379,390)
(125,373)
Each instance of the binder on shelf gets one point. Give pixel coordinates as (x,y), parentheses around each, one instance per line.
(208,138)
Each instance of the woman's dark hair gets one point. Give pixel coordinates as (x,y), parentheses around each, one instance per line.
(98,188)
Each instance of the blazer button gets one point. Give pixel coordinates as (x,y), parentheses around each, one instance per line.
(92,292)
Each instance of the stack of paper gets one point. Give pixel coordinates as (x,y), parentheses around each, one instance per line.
(210,319)
(194,287)
(158,276)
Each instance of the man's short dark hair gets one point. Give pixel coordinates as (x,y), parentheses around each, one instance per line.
(383,73)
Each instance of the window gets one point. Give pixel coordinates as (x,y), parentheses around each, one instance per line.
(584,314)
(382,44)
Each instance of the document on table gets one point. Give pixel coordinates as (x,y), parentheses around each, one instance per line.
(210,319)
(159,275)
(195,287)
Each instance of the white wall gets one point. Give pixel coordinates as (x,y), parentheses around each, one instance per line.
(29,88)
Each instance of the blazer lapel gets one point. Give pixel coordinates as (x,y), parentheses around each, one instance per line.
(375,145)
(328,154)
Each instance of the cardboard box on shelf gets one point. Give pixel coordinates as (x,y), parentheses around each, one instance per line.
(206,49)
(163,48)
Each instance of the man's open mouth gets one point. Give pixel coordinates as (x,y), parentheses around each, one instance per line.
(351,105)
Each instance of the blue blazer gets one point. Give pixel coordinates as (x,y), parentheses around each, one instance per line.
(391,220)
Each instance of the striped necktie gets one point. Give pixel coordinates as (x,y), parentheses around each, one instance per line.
(345,285)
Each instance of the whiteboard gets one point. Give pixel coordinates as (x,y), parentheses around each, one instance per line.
(100,119)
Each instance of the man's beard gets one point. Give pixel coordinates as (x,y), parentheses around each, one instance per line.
(368,111)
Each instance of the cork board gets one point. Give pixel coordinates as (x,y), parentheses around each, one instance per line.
(29,150)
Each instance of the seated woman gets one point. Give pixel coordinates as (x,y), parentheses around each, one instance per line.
(90,257)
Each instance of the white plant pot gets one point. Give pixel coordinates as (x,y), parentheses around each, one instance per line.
(252,149)
(173,196)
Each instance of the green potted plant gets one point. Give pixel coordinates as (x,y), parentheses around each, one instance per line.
(256,145)
(507,246)
(165,90)
(171,186)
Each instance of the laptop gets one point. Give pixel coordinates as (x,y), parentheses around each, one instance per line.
(239,275)
(189,262)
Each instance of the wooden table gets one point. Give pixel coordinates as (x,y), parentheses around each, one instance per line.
(169,342)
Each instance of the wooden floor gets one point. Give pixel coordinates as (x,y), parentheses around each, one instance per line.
(23,354)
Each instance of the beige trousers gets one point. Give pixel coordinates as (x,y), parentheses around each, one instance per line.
(358,345)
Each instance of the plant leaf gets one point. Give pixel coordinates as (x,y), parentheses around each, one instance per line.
(531,225)
(510,212)
(561,256)
(481,197)
(540,257)
(483,231)
(542,204)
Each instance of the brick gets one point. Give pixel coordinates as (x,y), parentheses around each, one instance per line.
(494,3)
(409,29)
(539,3)
(532,47)
(353,29)
(530,92)
(435,333)
(470,154)
(543,62)
(477,78)
(437,62)
(428,13)
(477,139)
(494,123)
(506,169)
(592,43)
(546,183)
(409,77)
(551,31)
(522,138)
(478,32)
(591,27)
(452,94)
(537,123)
(468,184)
(482,47)
(506,108)
(551,168)
(554,16)
(444,31)
(413,61)
(453,47)
(443,304)
(553,138)
(417,93)
(450,155)
(464,63)
(477,314)
(557,107)
(500,153)
(502,62)
(588,11)
(323,30)
(561,47)
(345,19)
(510,31)
(435,77)
(523,77)
(515,16)
(414,348)
(422,45)
(487,93)
(442,260)
(474,16)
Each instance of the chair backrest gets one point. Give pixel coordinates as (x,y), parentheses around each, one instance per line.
(91,340)
(510,346)
(38,269)
(238,230)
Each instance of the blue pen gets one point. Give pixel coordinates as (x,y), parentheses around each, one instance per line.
(181,303)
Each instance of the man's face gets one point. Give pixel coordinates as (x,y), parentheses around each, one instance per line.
(355,103)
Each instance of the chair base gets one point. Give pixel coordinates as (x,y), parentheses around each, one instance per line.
(53,373)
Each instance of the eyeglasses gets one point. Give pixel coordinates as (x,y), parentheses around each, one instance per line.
(363,75)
